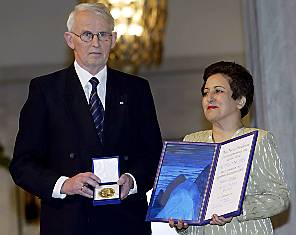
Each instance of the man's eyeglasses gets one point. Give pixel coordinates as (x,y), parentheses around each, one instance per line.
(88,36)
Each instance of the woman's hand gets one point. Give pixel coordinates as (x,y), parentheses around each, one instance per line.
(181,226)
(220,220)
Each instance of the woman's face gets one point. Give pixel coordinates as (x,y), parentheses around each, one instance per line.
(217,103)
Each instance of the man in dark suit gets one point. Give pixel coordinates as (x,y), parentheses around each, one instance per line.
(58,136)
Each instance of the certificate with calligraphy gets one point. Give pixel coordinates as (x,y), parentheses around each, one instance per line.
(196,180)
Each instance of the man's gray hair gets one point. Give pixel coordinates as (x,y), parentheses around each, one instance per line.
(97,8)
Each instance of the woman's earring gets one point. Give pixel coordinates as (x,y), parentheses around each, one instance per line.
(242,102)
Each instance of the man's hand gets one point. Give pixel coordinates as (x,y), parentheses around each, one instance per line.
(126,183)
(79,184)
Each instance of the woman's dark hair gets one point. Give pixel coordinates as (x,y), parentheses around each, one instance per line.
(240,81)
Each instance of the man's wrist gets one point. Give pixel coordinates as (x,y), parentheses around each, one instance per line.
(134,189)
(57,190)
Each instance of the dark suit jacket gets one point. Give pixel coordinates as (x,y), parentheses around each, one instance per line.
(57,137)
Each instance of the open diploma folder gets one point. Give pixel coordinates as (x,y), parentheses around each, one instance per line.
(107,169)
(196,180)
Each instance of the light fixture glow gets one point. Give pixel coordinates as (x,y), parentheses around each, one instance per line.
(140,30)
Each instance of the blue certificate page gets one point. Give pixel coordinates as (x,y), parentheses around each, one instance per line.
(182,180)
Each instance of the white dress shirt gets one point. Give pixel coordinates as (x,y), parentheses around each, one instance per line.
(84,77)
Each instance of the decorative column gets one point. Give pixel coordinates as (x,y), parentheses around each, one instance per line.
(271,57)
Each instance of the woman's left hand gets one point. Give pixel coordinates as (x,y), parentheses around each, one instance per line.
(180,225)
(219,220)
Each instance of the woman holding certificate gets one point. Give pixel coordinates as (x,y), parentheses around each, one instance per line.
(227,94)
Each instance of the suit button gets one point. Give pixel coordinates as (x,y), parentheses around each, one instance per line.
(72,155)
(125,158)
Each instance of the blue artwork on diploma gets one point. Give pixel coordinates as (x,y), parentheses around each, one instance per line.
(181,182)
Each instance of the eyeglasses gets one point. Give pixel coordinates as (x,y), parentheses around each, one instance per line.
(88,36)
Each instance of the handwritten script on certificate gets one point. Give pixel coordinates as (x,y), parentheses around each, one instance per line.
(229,177)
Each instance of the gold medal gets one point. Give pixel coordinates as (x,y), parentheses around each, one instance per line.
(107,192)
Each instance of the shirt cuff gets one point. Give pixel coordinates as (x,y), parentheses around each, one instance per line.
(56,193)
(135,189)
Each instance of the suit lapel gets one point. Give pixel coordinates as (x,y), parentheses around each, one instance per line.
(79,111)
(115,108)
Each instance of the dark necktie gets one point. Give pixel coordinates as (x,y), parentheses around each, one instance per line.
(96,107)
